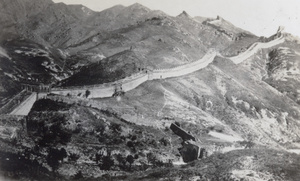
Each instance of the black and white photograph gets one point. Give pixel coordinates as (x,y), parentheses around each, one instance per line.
(150,90)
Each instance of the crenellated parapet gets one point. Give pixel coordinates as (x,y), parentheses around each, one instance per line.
(131,82)
(255,47)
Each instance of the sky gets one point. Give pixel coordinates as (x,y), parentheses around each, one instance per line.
(261,17)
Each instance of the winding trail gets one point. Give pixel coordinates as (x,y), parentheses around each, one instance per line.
(165,102)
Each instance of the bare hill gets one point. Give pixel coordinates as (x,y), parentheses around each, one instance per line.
(243,115)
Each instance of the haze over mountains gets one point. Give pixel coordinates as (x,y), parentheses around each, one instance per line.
(223,105)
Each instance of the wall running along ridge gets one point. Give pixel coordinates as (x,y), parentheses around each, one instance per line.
(131,82)
(254,48)
(25,107)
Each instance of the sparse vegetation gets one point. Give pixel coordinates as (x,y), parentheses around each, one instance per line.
(233,111)
(54,157)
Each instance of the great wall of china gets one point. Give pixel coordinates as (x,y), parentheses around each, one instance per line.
(133,81)
(254,48)
(25,106)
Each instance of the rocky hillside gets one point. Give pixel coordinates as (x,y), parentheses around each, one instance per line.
(244,165)
(70,37)
(279,67)
(118,66)
(71,140)
(245,116)
(28,62)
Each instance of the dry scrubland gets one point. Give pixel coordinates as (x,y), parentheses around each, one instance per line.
(245,115)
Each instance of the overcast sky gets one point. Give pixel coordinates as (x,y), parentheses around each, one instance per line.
(261,17)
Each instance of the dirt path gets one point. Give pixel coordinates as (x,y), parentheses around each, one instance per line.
(225,137)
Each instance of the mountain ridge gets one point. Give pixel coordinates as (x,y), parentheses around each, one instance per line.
(236,110)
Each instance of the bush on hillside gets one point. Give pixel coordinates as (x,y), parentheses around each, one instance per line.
(55,156)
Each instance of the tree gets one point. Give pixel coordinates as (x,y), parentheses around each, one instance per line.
(74,157)
(98,157)
(121,160)
(116,128)
(87,93)
(130,144)
(152,159)
(78,175)
(107,162)
(164,141)
(54,156)
(130,160)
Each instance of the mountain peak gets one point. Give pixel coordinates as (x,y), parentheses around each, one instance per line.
(138,6)
(112,11)
(184,14)
(116,7)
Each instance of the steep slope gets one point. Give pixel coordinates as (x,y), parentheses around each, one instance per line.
(76,36)
(284,70)
(64,139)
(208,99)
(163,41)
(235,165)
(227,107)
(14,13)
(26,62)
(226,27)
(242,39)
(279,67)
(113,68)
(22,26)
(55,25)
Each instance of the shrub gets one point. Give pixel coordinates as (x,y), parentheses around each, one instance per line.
(116,128)
(121,160)
(130,144)
(87,93)
(78,175)
(54,156)
(164,141)
(74,157)
(133,137)
(130,160)
(152,159)
(107,162)
(49,135)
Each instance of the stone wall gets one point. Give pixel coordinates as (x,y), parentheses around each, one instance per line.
(184,69)
(131,82)
(25,106)
(254,48)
